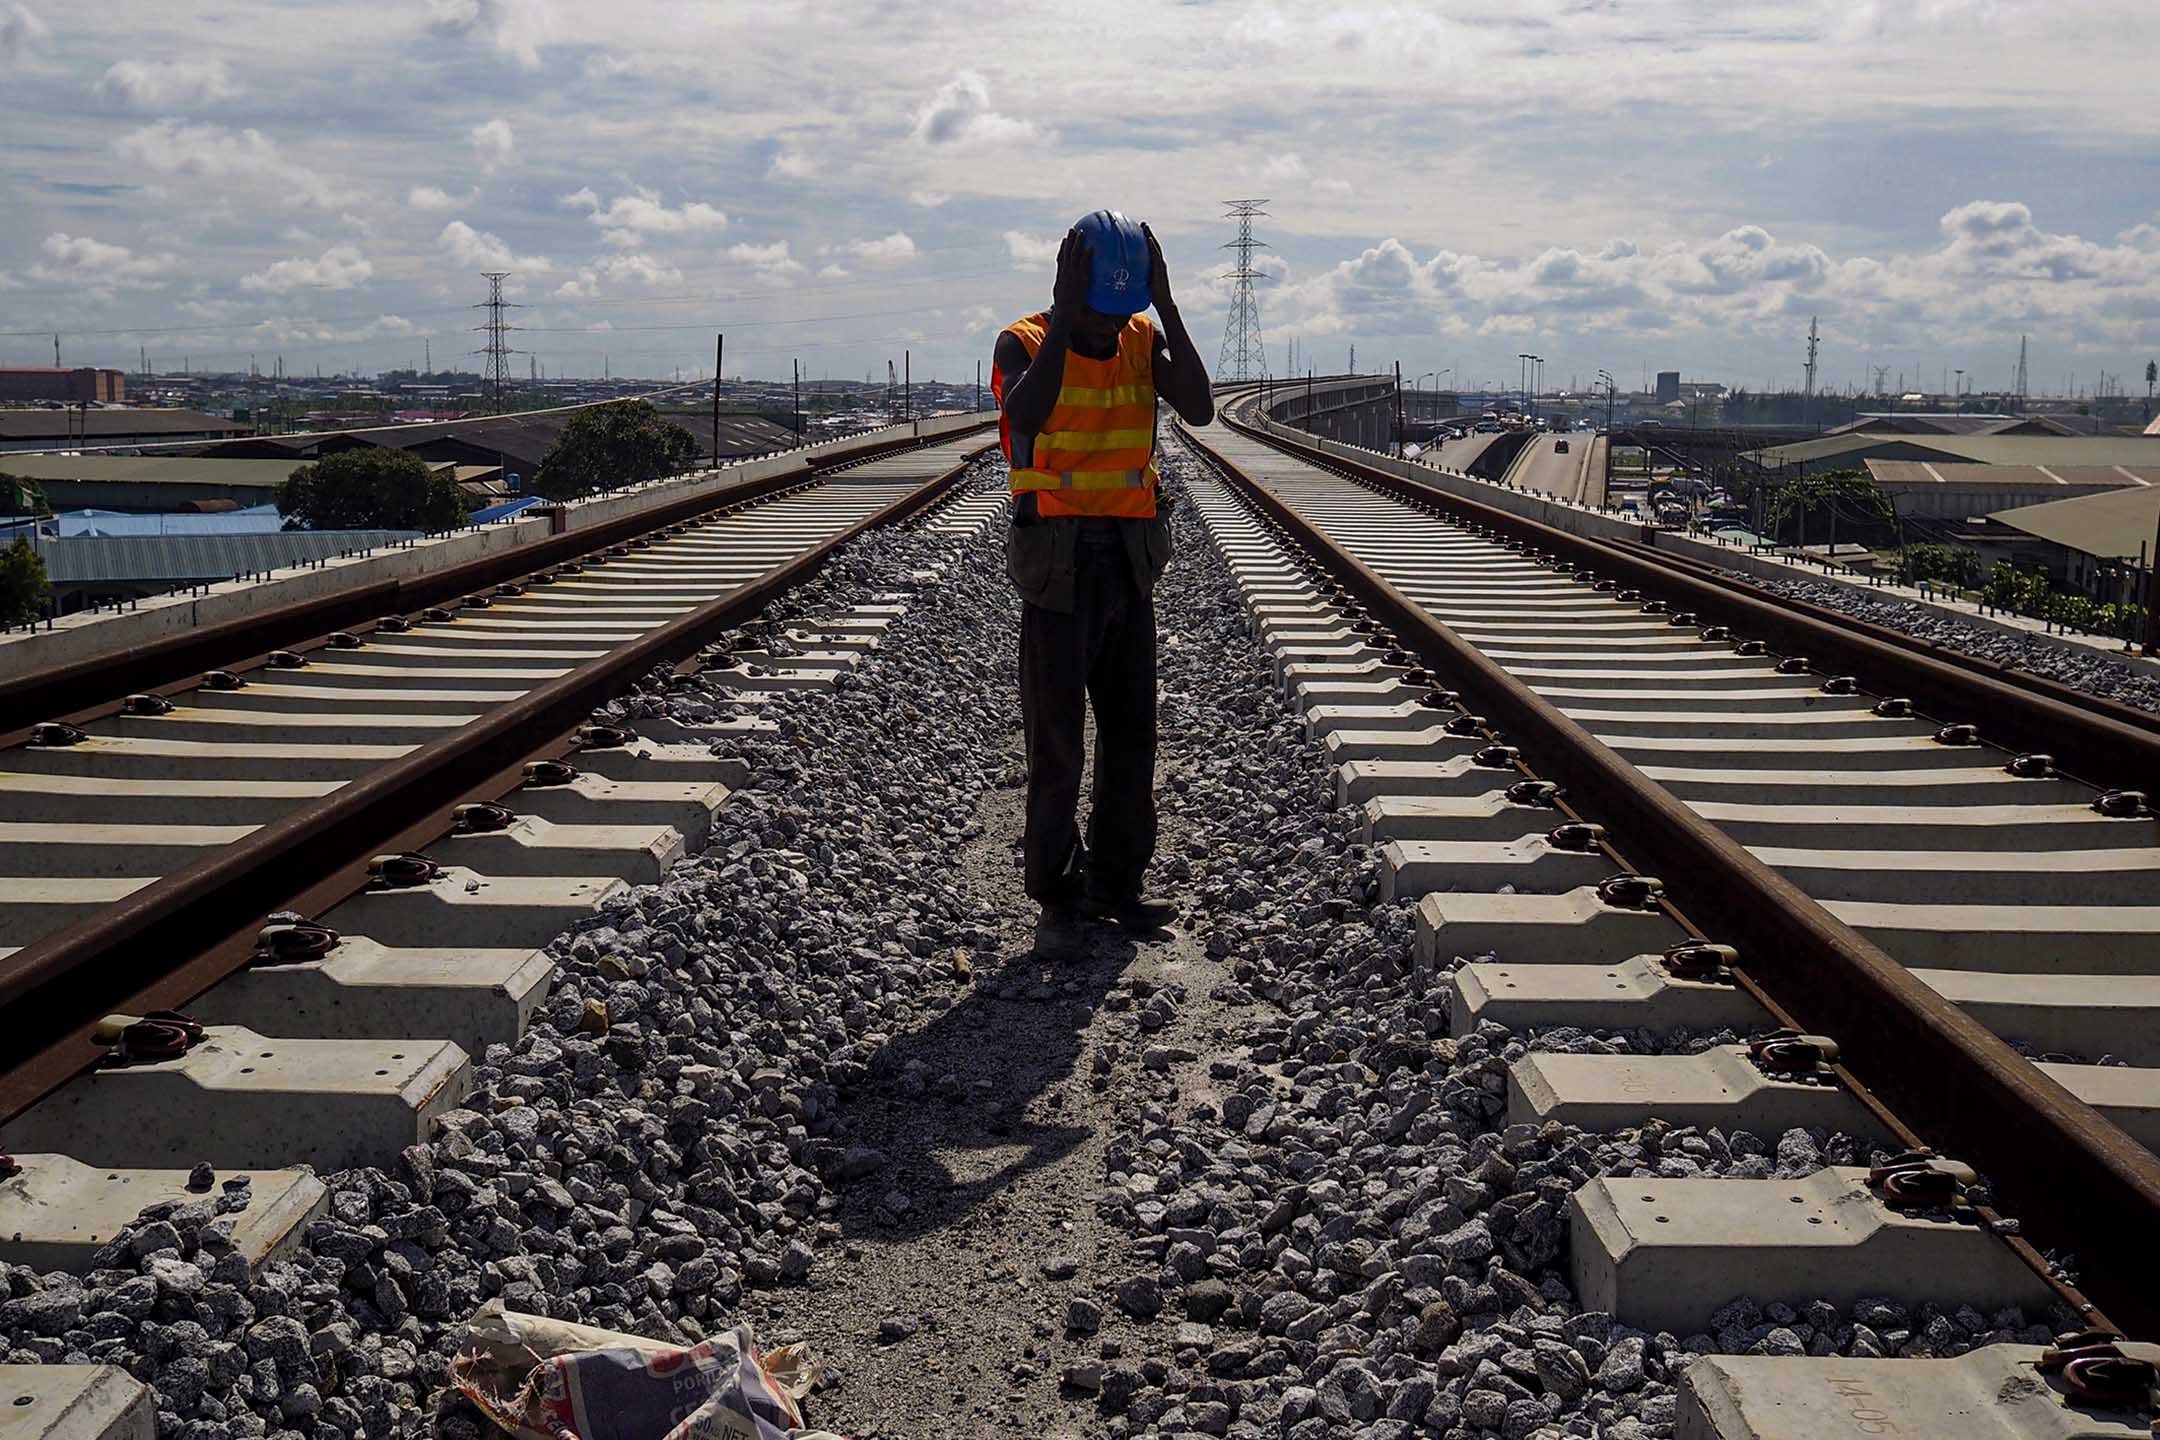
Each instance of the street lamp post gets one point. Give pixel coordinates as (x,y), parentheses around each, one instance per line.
(1605,485)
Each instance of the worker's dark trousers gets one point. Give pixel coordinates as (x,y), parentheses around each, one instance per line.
(1104,652)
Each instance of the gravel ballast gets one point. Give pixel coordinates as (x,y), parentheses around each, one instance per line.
(1232,1180)
(2083,669)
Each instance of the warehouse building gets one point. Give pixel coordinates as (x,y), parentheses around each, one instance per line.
(20,384)
(69,429)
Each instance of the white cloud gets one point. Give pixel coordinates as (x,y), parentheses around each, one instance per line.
(628,219)
(1332,185)
(167,84)
(341,267)
(624,269)
(518,28)
(495,141)
(212,152)
(834,272)
(301,330)
(791,165)
(20,29)
(434,197)
(885,252)
(480,250)
(927,199)
(1286,166)
(771,261)
(98,265)
(1032,252)
(960,114)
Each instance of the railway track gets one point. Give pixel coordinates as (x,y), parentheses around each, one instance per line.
(248,847)
(1875,896)
(1482,774)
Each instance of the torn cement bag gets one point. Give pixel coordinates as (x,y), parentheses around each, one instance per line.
(545,1379)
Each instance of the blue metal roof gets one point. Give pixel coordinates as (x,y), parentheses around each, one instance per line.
(503,511)
(252,520)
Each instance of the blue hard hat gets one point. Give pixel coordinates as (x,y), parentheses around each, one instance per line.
(1118,279)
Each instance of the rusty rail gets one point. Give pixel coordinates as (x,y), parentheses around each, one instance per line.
(176,937)
(2071,1176)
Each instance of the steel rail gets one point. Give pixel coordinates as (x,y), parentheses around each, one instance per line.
(2022,682)
(2069,1174)
(76,689)
(53,991)
(2088,736)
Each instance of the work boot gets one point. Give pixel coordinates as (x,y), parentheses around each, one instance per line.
(1133,912)
(1059,934)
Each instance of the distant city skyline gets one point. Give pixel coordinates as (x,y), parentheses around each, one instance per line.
(1659,185)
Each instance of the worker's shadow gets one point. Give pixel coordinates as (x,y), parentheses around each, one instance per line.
(954,1106)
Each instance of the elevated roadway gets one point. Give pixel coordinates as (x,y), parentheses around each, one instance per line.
(1576,474)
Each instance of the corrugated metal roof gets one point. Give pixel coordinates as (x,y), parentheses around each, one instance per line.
(2019,477)
(149,470)
(504,510)
(2049,450)
(175,559)
(2111,526)
(61,425)
(254,520)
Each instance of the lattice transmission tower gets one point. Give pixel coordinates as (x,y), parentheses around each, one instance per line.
(497,329)
(1243,357)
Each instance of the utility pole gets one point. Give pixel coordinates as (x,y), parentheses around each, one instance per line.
(56,351)
(719,353)
(2152,597)
(798,402)
(1243,354)
(907,383)
(1807,399)
(978,384)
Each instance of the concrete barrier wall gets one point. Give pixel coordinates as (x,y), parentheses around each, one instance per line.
(87,635)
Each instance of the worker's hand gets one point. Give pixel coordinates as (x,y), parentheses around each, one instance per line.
(1158,274)
(1075,259)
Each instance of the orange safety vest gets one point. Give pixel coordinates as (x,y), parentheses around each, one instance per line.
(1096,452)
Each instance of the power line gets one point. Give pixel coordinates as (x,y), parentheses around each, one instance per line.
(1244,356)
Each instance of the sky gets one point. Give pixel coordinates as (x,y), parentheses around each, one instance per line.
(1634,185)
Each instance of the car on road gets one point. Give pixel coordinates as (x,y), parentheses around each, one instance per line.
(1559,447)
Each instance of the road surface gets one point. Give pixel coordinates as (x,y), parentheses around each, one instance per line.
(1577,475)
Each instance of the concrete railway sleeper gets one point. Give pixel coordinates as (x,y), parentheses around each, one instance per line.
(1347,587)
(335,1044)
(1386,1204)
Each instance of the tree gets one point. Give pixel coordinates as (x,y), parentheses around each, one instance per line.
(21,497)
(1952,563)
(609,445)
(1846,490)
(23,586)
(374,489)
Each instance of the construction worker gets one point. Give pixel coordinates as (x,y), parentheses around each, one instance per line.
(1077,385)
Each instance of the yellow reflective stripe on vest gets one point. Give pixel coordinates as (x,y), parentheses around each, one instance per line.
(1032,479)
(1105,396)
(1095,439)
